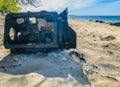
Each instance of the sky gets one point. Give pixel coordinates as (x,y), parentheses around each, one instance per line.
(79,7)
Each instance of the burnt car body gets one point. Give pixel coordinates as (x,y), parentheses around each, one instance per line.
(38,30)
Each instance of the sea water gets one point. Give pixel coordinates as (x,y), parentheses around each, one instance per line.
(100,18)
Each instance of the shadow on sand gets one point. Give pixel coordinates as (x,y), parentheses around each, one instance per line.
(50,65)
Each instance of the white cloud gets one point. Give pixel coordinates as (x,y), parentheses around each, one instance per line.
(58,5)
(49,5)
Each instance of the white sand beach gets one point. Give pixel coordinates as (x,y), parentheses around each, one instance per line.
(99,42)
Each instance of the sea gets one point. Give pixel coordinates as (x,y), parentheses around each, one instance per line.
(100,18)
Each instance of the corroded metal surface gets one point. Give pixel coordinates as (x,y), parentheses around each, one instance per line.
(38,30)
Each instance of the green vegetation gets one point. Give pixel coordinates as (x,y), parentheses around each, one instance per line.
(9,6)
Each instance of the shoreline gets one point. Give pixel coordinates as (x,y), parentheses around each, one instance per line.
(105,18)
(113,23)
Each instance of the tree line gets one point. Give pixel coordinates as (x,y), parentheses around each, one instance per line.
(9,6)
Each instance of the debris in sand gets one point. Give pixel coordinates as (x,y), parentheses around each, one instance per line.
(113,44)
(110,52)
(2,67)
(106,45)
(93,35)
(108,38)
(10,61)
(90,68)
(79,56)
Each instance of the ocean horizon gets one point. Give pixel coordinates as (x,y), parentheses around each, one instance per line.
(100,18)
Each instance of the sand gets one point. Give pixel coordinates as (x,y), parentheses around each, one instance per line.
(55,69)
(100,44)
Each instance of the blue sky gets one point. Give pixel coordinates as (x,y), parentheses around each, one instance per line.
(79,7)
(97,7)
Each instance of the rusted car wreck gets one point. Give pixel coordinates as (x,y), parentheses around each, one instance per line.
(39,31)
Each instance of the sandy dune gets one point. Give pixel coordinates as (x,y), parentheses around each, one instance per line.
(100,44)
